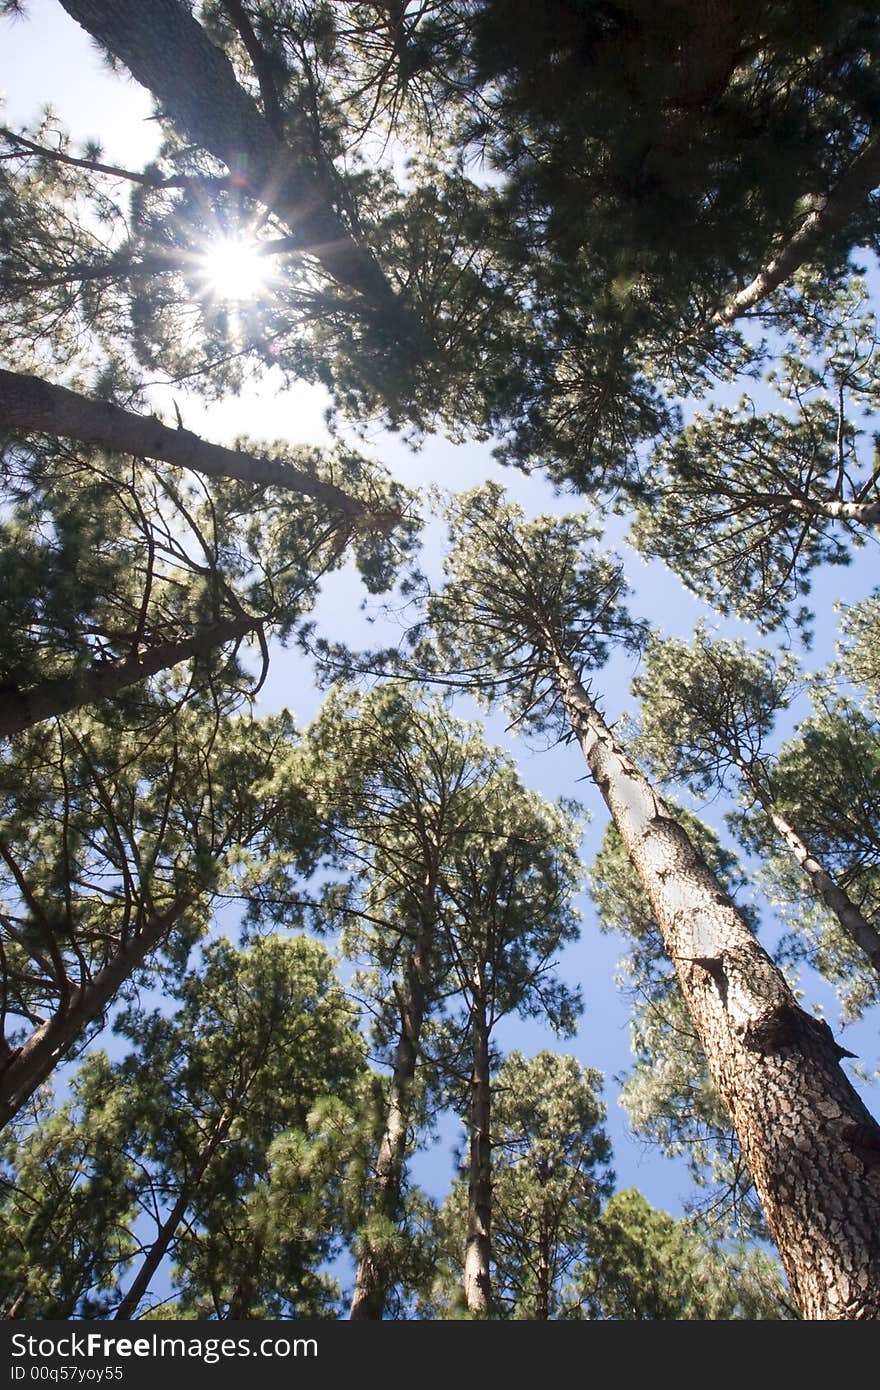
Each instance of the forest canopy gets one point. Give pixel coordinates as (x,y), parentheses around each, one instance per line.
(439,523)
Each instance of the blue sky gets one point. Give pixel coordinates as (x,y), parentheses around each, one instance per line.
(47,59)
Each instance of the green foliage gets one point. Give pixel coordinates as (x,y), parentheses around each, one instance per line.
(743,505)
(644,1265)
(104,827)
(861,643)
(259,1041)
(672,144)
(826,780)
(708,709)
(68,1199)
(550,1170)
(512,588)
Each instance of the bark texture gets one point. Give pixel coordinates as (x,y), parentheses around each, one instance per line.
(478,1247)
(19,709)
(29,403)
(169,52)
(812,1147)
(28,1066)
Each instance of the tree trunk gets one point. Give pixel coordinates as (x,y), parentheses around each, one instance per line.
(194,83)
(545,1269)
(374,1274)
(856,926)
(29,403)
(853,187)
(20,709)
(862,513)
(164,1236)
(478,1250)
(811,1145)
(30,1065)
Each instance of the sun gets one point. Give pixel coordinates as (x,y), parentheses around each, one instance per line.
(235,270)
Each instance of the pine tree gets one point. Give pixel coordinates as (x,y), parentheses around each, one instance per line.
(524,615)
(707,712)
(114,842)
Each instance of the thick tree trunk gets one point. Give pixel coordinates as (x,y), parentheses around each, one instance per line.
(811,1145)
(169,52)
(29,403)
(860,179)
(478,1249)
(29,1065)
(167,1230)
(20,709)
(374,1275)
(860,931)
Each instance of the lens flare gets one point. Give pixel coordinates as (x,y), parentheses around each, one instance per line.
(234,270)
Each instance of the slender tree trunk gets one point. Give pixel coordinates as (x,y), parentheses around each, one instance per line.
(29,1065)
(811,1145)
(478,1249)
(167,1230)
(545,1270)
(17,1307)
(20,709)
(852,189)
(194,83)
(374,1274)
(30,403)
(856,926)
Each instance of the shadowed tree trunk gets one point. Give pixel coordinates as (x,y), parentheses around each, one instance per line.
(860,179)
(477,1286)
(29,403)
(19,709)
(169,52)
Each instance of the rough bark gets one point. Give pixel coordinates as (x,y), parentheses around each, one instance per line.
(860,179)
(159,1249)
(30,403)
(812,1147)
(19,709)
(169,52)
(860,931)
(28,1066)
(374,1275)
(478,1250)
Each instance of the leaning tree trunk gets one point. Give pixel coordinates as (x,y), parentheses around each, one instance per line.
(19,709)
(374,1272)
(28,1066)
(854,924)
(30,403)
(478,1250)
(812,1147)
(168,1229)
(851,192)
(194,83)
